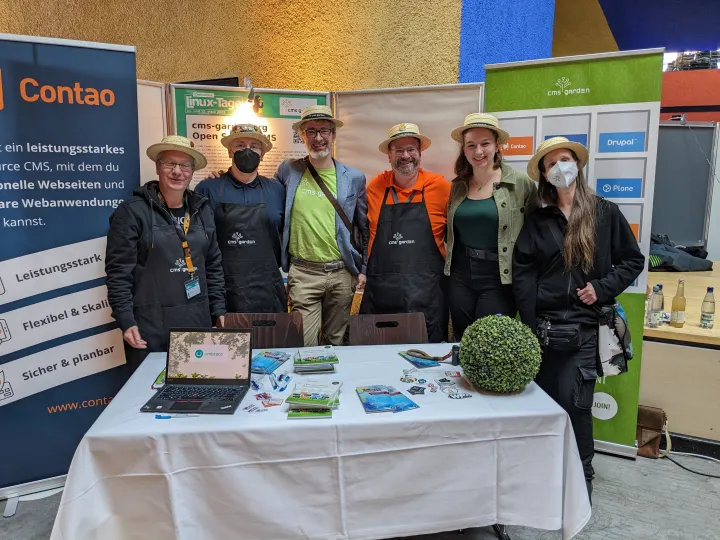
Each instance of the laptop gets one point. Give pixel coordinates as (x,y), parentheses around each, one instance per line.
(207,371)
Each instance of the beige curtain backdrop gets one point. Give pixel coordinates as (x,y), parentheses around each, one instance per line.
(369,114)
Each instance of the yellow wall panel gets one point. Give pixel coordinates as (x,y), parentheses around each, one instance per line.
(581,28)
(330,45)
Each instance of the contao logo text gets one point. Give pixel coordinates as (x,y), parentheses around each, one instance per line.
(31,91)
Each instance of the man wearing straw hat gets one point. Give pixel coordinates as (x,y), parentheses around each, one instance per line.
(325,234)
(162,262)
(407,214)
(249,211)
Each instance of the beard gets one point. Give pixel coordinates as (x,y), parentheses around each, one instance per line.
(406,167)
(322,154)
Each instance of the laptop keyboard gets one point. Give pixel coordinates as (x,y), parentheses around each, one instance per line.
(206,393)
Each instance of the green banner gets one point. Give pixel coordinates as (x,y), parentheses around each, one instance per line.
(626,79)
(205,116)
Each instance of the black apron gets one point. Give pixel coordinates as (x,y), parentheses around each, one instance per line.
(159,298)
(253,282)
(406,269)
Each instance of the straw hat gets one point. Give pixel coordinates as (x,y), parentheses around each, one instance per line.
(480,120)
(179,144)
(404,130)
(316,112)
(548,146)
(247,131)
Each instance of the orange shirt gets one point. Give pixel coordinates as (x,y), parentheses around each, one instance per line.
(437,193)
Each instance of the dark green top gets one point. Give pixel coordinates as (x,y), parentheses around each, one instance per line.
(476,224)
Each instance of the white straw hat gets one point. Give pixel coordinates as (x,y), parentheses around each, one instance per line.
(178,144)
(404,130)
(247,131)
(316,112)
(548,146)
(480,120)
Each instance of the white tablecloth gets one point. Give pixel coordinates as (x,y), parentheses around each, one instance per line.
(448,465)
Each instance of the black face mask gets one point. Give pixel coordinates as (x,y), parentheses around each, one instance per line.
(246,160)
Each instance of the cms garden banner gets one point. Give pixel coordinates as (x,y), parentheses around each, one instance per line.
(611,104)
(205,114)
(68,157)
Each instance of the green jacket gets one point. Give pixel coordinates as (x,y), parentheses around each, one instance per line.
(514,195)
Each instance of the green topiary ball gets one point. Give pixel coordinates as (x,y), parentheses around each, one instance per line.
(499,354)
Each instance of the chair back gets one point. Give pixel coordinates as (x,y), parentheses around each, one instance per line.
(270,330)
(392,329)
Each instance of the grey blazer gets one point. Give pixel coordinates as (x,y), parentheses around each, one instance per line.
(352,199)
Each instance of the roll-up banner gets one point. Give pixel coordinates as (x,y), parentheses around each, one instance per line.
(68,157)
(204,114)
(610,103)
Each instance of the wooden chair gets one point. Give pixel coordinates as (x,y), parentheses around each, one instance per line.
(270,330)
(393,329)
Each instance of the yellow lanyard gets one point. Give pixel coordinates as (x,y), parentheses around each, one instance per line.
(183,237)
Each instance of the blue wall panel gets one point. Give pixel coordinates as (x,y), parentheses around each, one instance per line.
(495,31)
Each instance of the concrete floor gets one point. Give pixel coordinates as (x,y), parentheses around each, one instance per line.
(633,500)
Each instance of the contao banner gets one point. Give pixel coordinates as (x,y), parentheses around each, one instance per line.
(611,104)
(68,157)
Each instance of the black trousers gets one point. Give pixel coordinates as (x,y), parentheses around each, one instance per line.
(476,291)
(134,357)
(569,378)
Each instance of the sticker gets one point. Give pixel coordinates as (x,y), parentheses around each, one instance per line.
(192,287)
(263,395)
(458,395)
(453,374)
(422,381)
(272,402)
(407,379)
(416,390)
(444,380)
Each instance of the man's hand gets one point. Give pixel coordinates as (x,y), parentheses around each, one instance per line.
(214,174)
(587,295)
(132,336)
(220,322)
(361,280)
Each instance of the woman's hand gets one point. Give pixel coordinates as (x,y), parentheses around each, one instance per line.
(587,295)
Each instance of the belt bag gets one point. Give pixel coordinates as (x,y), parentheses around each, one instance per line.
(559,337)
(614,345)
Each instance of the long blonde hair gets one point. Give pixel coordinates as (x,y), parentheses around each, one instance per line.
(579,243)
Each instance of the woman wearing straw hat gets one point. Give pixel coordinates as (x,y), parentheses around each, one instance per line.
(576,252)
(162,262)
(488,203)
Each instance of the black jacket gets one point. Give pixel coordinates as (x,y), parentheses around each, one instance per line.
(131,239)
(544,288)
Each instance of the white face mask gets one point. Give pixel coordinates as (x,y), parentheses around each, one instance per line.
(562,174)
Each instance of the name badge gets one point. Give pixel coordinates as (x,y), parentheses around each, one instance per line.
(192,287)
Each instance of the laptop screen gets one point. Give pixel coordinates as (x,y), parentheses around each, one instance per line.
(209,354)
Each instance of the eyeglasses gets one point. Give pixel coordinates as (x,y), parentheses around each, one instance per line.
(325,132)
(412,151)
(170,166)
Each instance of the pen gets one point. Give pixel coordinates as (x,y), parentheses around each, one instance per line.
(169,416)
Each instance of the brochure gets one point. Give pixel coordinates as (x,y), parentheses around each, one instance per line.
(298,414)
(314,395)
(375,398)
(418,362)
(316,355)
(400,401)
(268,361)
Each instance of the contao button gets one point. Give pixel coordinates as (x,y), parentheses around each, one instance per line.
(518,146)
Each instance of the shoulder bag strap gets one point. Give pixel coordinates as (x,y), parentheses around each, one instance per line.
(330,196)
